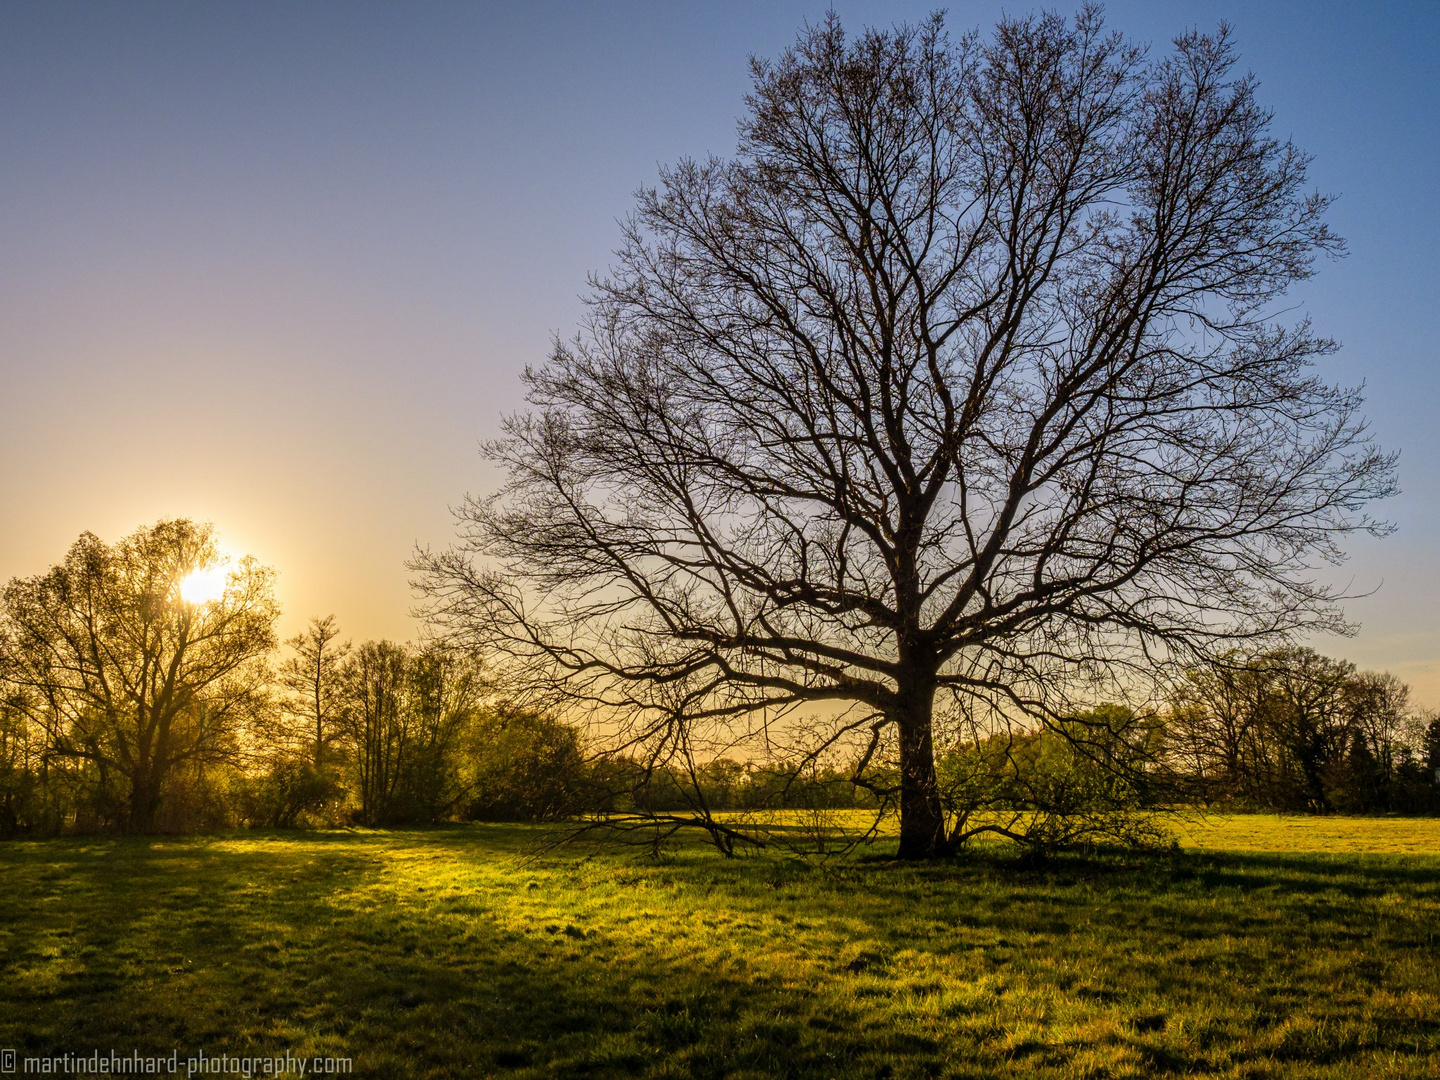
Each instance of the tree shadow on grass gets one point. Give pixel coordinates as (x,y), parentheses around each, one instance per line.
(307,947)
(442,953)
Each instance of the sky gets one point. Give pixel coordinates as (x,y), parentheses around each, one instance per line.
(279,266)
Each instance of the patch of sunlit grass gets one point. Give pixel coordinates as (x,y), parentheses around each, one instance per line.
(1319,835)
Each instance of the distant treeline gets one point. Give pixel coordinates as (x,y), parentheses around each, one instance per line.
(398,735)
(380,734)
(385,734)
(1287,730)
(1293,730)
(409,735)
(137,697)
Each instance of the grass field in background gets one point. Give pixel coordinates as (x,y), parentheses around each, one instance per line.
(1268,947)
(1320,835)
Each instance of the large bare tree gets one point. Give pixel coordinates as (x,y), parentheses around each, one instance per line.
(127,669)
(964,379)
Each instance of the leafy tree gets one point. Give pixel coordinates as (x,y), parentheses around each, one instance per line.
(1307,711)
(289,791)
(312,678)
(295,767)
(446,694)
(526,766)
(410,717)
(1074,782)
(377,724)
(22,768)
(1214,729)
(132,683)
(1384,735)
(1293,730)
(961,378)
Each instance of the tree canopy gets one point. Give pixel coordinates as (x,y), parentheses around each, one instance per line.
(128,677)
(962,381)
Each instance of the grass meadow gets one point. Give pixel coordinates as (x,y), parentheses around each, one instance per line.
(1265,947)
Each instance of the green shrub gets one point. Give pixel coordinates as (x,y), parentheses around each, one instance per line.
(525,766)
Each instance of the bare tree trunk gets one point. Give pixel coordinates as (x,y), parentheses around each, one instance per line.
(319,707)
(922,819)
(144,801)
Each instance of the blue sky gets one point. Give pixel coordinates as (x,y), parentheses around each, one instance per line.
(279,266)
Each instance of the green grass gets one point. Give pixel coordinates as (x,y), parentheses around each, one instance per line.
(459,952)
(1299,833)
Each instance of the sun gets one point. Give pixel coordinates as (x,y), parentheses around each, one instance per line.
(204,585)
